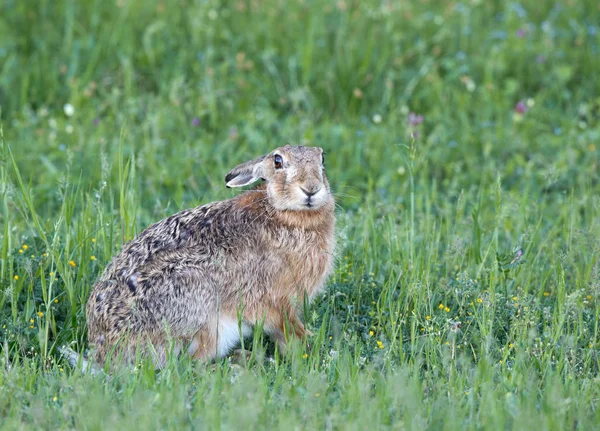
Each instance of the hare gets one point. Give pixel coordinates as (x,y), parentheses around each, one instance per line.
(204,277)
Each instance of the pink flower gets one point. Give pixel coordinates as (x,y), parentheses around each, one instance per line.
(521,107)
(414,119)
(195,121)
(521,33)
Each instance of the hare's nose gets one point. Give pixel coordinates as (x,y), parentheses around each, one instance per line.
(310,192)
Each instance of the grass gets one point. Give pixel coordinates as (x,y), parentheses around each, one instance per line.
(467,287)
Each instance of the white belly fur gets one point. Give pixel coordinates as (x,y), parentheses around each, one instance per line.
(228,334)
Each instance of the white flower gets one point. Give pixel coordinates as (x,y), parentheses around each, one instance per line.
(377,118)
(69,110)
(69,129)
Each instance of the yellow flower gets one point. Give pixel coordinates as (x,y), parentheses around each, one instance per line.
(45,255)
(317,394)
(40,314)
(24,247)
(92,257)
(371,333)
(479,300)
(447,309)
(589,297)
(305,356)
(427,317)
(30,326)
(61,370)
(93,239)
(54,399)
(16,277)
(510,345)
(380,344)
(514,298)
(546,294)
(20,251)
(56,301)
(72,263)
(31,320)
(441,306)
(33,256)
(51,274)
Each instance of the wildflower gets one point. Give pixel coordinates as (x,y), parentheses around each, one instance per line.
(195,121)
(510,345)
(33,256)
(31,321)
(521,33)
(447,309)
(20,251)
(93,240)
(441,306)
(45,255)
(371,333)
(72,263)
(427,317)
(468,82)
(305,356)
(92,257)
(69,110)
(521,107)
(16,277)
(514,298)
(31,326)
(546,293)
(61,369)
(40,314)
(414,119)
(56,301)
(51,274)
(357,93)
(96,121)
(479,300)
(54,399)
(317,395)
(380,344)
(25,247)
(377,118)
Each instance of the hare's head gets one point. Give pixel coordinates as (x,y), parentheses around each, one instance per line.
(295,177)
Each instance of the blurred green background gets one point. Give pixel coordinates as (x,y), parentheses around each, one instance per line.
(462,143)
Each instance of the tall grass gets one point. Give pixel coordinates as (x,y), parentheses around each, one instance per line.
(467,286)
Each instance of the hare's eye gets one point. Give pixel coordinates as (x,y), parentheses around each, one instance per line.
(278,161)
(323,159)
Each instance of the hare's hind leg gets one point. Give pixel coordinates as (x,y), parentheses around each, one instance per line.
(203,345)
(217,338)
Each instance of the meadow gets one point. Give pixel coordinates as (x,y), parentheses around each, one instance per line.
(462,141)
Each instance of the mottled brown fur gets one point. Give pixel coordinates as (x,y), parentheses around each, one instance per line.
(187,277)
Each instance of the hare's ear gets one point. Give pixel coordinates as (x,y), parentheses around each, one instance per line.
(246,173)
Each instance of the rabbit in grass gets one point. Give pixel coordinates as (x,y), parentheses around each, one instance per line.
(203,275)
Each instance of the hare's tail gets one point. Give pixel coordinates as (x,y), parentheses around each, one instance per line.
(79,361)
